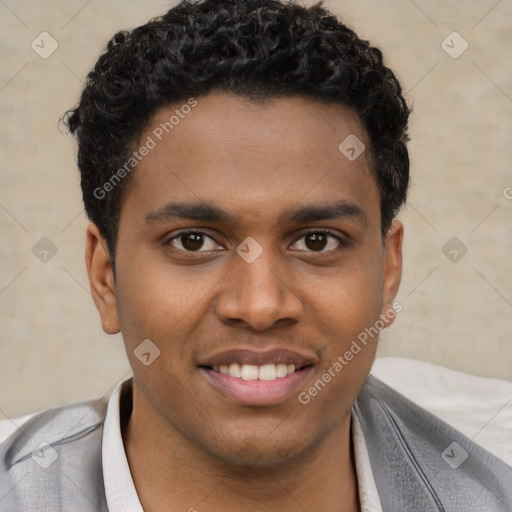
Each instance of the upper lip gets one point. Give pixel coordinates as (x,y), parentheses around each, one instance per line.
(259,358)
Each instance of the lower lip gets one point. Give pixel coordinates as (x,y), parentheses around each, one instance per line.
(258,392)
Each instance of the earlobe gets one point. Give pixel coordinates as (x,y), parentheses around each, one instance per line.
(392,270)
(101,279)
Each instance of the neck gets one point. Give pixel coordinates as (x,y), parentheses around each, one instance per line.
(168,470)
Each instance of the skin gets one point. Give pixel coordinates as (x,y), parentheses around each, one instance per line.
(189,445)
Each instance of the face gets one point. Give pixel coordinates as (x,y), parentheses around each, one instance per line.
(250,254)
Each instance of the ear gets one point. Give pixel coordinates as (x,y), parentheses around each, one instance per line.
(392,270)
(101,279)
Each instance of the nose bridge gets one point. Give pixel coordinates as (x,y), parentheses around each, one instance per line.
(261,278)
(258,293)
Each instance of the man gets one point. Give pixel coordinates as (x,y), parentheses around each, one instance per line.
(242,164)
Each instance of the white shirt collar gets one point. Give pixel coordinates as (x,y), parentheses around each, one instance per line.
(368,494)
(119,486)
(120,489)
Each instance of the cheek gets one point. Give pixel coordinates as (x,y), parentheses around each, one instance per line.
(154,300)
(348,313)
(351,299)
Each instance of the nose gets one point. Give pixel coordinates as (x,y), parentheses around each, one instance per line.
(258,296)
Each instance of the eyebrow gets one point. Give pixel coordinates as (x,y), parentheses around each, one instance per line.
(336,210)
(192,211)
(299,215)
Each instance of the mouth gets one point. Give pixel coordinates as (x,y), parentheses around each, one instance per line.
(267,372)
(258,379)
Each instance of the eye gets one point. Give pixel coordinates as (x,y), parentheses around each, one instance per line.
(194,241)
(317,241)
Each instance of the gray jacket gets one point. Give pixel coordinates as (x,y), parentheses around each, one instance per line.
(420,464)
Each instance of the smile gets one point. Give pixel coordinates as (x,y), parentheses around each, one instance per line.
(255,372)
(258,378)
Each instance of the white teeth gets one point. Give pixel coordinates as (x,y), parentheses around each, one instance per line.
(268,372)
(254,372)
(249,372)
(234,370)
(282,370)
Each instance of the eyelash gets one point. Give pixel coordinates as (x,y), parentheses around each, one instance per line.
(342,242)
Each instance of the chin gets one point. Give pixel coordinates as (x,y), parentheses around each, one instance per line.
(259,452)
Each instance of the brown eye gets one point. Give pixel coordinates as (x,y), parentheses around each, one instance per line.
(316,241)
(192,241)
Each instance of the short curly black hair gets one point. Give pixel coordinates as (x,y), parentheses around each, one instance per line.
(258,49)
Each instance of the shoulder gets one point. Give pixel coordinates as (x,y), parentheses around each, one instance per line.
(50,427)
(52,460)
(420,461)
(479,407)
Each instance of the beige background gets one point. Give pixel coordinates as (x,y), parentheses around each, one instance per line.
(459,315)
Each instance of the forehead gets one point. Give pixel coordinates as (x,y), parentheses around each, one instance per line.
(253,157)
